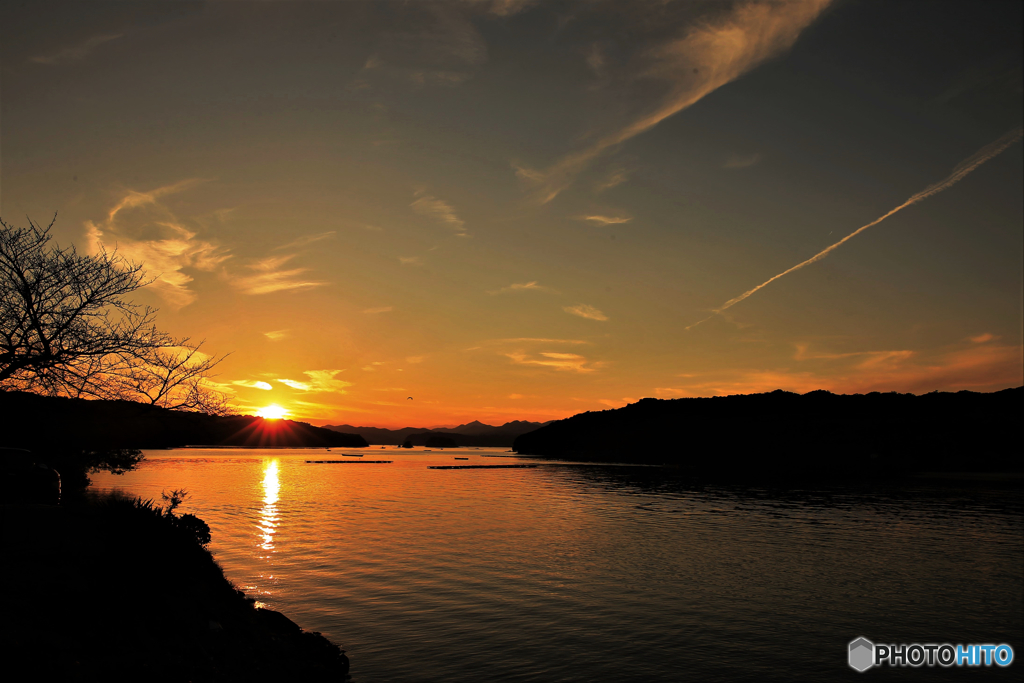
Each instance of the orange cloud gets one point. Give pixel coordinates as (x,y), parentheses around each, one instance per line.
(143,230)
(531,286)
(605,220)
(980,368)
(270,277)
(252,385)
(319,381)
(585,311)
(570,362)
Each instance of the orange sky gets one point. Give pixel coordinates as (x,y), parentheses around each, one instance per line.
(520,210)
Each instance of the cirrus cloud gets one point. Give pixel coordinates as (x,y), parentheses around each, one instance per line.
(319,381)
(585,311)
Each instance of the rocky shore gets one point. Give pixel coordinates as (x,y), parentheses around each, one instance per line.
(106,589)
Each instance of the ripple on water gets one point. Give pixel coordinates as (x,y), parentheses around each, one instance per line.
(565,573)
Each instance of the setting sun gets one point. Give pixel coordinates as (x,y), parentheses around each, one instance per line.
(272,412)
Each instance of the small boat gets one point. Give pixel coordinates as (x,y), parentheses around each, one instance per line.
(458,458)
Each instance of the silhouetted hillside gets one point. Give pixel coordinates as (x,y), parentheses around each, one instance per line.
(785,433)
(161,609)
(473,434)
(42,423)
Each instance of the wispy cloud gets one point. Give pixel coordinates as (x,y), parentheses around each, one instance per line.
(410,260)
(741,161)
(507,8)
(528,174)
(440,211)
(415,359)
(144,230)
(531,286)
(868,358)
(537,340)
(595,58)
(566,362)
(707,55)
(252,385)
(616,178)
(381,309)
(962,170)
(435,44)
(319,381)
(269,276)
(605,220)
(978,367)
(439,77)
(307,240)
(585,311)
(276,335)
(76,52)
(983,338)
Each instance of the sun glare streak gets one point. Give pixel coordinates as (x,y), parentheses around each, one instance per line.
(269,518)
(272,412)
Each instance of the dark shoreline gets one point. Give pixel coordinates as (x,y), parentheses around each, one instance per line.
(101,590)
(781,436)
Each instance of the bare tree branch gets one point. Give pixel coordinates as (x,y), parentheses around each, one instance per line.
(68,328)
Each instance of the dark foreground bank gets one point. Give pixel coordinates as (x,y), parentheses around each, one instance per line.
(107,590)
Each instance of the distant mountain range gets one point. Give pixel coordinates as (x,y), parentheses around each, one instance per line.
(789,435)
(471,434)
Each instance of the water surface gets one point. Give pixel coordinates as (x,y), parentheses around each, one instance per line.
(577,573)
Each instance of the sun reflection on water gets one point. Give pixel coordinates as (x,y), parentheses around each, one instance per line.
(269,518)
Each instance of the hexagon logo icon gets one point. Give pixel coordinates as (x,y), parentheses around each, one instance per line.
(862,654)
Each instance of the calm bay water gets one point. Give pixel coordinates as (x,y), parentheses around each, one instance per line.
(578,573)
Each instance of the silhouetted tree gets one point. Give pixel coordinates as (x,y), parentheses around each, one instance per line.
(68,328)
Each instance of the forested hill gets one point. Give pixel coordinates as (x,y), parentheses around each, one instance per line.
(43,423)
(782,432)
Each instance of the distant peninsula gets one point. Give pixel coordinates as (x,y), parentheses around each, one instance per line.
(787,434)
(44,423)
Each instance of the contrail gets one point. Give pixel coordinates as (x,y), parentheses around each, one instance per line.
(965,167)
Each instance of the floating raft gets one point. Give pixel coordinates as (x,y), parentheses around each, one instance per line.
(458,458)
(352,455)
(477,467)
(348,462)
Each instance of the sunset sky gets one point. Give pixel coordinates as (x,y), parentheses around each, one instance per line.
(512,209)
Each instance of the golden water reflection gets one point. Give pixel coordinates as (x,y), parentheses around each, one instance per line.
(269,518)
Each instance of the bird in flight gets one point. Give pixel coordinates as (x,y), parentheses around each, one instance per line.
(410,398)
